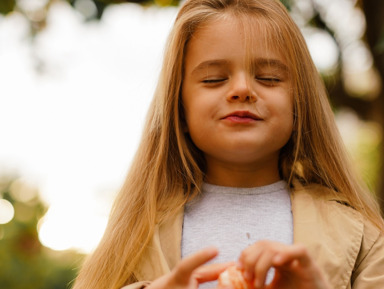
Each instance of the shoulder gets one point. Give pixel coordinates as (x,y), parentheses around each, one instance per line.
(348,247)
(316,193)
(322,203)
(330,205)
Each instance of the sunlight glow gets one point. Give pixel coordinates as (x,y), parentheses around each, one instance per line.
(63,228)
(75,122)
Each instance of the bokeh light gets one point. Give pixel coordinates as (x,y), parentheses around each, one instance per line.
(22,191)
(323,49)
(7,211)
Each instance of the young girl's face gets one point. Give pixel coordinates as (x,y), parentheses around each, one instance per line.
(238,117)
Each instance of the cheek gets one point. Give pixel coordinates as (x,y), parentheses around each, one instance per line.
(200,110)
(199,124)
(285,106)
(288,123)
(284,117)
(193,118)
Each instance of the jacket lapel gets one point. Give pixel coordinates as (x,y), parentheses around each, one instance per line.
(164,250)
(331,230)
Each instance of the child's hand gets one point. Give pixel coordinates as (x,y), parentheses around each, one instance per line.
(294,267)
(190,272)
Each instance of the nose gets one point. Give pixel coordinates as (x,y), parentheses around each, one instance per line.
(241,90)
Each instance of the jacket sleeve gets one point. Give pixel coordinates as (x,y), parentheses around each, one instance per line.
(137,285)
(369,268)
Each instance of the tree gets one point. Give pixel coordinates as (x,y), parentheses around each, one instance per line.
(374,11)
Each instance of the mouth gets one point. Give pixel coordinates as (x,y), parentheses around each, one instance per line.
(242,116)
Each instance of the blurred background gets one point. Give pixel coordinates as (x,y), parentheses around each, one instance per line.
(76,78)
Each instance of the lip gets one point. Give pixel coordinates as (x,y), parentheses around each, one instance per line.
(242,116)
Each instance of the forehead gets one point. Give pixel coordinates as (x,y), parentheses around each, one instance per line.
(235,37)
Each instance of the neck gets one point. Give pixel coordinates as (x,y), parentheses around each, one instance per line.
(241,175)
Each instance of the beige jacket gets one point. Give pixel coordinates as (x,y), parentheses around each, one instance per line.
(349,249)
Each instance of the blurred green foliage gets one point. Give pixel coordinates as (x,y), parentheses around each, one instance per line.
(25,262)
(7,6)
(365,149)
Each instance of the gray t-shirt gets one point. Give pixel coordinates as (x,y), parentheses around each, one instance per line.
(231,219)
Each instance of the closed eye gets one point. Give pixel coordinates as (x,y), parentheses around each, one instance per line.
(216,80)
(269,80)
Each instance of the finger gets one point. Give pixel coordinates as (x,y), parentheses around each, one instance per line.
(247,260)
(295,252)
(211,272)
(263,264)
(185,268)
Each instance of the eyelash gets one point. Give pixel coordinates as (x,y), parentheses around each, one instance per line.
(269,80)
(266,80)
(213,80)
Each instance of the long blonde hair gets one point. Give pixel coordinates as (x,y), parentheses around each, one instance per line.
(168,169)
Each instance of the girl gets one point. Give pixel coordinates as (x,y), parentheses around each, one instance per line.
(240,151)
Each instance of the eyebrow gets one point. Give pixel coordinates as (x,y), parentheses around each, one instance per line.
(271,62)
(210,63)
(257,62)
